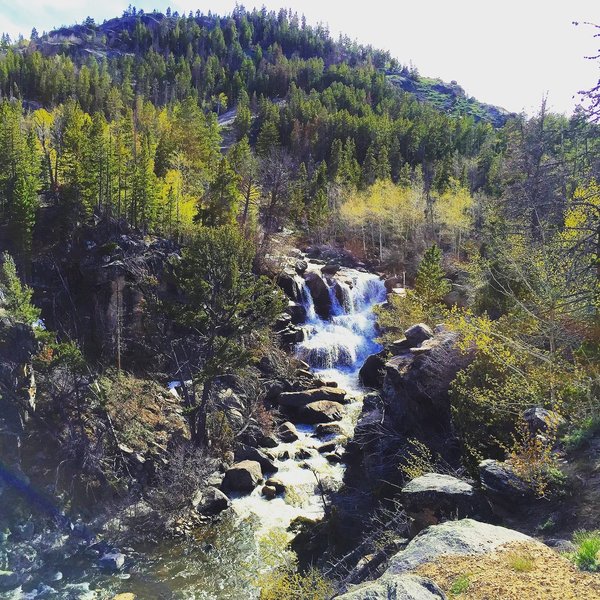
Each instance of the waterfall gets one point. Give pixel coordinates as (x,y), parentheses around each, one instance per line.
(345,340)
(307,300)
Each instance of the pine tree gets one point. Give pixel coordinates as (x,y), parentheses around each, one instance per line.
(16,296)
(268,138)
(318,206)
(19,175)
(220,203)
(431,284)
(369,168)
(225,303)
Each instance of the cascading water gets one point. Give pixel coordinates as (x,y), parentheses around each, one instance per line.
(338,347)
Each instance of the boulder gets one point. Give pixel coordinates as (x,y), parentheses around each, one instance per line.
(267,441)
(300,265)
(112,561)
(462,537)
(433,497)
(539,420)
(400,587)
(288,432)
(372,372)
(277,484)
(399,346)
(300,399)
(268,492)
(330,269)
(211,501)
(244,452)
(333,457)
(501,484)
(304,453)
(323,411)
(327,429)
(465,536)
(243,476)
(319,291)
(417,334)
(9,580)
(290,283)
(297,312)
(328,447)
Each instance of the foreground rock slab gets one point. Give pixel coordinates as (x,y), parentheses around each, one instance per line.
(405,587)
(462,537)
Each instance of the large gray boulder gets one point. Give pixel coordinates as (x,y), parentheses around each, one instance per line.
(243,476)
(322,411)
(418,333)
(244,452)
(452,537)
(403,587)
(434,497)
(302,398)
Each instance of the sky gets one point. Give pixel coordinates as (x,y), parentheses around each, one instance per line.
(510,53)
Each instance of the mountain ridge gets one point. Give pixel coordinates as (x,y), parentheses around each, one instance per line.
(111,38)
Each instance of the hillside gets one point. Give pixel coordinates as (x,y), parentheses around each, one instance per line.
(118,37)
(449,97)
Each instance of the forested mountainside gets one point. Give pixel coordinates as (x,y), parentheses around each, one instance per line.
(271,304)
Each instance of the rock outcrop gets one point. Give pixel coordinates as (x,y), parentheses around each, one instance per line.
(373,370)
(416,382)
(320,293)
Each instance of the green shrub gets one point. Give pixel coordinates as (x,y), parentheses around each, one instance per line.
(582,434)
(587,553)
(460,585)
(520,562)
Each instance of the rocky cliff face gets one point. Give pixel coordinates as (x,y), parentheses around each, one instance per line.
(93,288)
(412,401)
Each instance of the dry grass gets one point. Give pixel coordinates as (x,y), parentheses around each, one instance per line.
(517,571)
